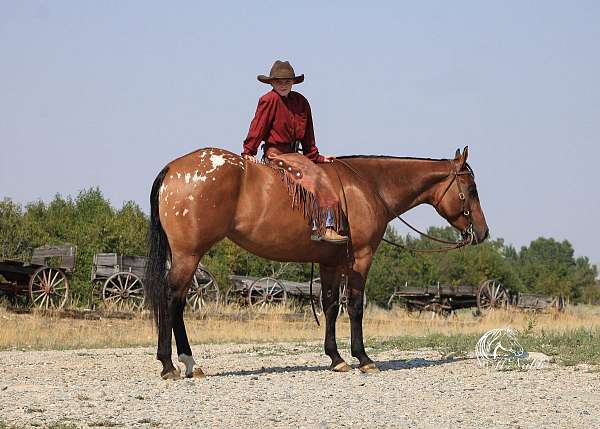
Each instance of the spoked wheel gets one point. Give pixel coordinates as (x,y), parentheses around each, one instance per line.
(203,290)
(266,291)
(48,288)
(491,295)
(344,299)
(232,296)
(123,291)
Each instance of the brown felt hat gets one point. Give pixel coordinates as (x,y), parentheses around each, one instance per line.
(281,70)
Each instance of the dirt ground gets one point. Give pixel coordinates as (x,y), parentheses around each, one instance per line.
(287,385)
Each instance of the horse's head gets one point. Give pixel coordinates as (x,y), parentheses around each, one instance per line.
(457,201)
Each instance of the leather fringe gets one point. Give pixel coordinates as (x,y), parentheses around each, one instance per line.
(308,204)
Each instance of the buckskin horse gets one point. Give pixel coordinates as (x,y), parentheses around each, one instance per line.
(210,194)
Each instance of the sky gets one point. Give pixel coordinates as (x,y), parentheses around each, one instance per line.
(106,93)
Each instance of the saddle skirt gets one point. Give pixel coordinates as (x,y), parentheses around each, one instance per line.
(309,187)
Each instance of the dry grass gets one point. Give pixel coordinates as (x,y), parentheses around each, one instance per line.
(232,324)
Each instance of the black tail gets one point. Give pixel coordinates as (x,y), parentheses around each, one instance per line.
(155,282)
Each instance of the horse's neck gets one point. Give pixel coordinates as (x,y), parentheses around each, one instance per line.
(404,183)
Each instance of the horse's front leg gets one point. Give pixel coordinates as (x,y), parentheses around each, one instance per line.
(330,294)
(356,289)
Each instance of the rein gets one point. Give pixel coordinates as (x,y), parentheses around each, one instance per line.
(312,300)
(453,244)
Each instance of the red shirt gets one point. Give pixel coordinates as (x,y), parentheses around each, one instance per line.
(282,120)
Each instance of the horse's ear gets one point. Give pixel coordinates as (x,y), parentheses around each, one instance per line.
(457,154)
(463,158)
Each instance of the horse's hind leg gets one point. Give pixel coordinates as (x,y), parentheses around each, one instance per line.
(178,282)
(330,293)
(180,277)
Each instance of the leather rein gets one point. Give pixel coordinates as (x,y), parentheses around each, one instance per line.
(461,195)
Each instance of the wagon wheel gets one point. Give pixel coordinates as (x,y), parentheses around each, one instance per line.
(203,290)
(48,288)
(490,295)
(266,291)
(231,296)
(342,303)
(344,299)
(123,291)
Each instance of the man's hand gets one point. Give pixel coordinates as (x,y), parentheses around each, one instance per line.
(250,158)
(328,158)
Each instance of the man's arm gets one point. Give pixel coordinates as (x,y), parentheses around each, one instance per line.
(309,147)
(260,125)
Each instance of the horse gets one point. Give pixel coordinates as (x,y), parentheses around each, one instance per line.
(211,194)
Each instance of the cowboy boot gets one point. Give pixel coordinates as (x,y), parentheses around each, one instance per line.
(332,236)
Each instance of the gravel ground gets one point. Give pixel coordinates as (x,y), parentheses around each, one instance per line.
(287,385)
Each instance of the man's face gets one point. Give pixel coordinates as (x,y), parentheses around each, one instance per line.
(282,86)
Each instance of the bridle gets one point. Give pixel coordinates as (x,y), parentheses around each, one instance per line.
(467,232)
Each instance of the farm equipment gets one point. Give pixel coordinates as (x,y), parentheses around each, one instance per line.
(44,280)
(119,282)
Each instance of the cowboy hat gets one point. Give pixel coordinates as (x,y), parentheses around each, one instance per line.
(281,70)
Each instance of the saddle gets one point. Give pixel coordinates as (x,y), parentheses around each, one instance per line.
(310,189)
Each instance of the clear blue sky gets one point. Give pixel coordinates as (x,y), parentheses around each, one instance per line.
(106,92)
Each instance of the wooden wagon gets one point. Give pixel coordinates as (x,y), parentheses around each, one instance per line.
(537,302)
(119,282)
(261,292)
(445,299)
(44,280)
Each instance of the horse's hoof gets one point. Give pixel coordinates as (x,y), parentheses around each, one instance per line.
(369,368)
(196,373)
(174,374)
(341,367)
